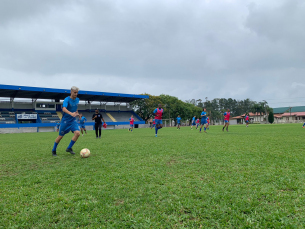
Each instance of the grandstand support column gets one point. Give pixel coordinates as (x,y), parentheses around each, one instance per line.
(12,103)
(89,105)
(34,103)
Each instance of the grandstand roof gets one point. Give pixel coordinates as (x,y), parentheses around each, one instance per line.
(12,91)
(281,110)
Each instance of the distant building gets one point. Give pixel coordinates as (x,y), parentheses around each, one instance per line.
(281,115)
(289,114)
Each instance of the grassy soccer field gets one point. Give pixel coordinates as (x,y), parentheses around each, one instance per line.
(247,178)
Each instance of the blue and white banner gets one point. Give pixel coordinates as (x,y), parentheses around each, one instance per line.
(26,116)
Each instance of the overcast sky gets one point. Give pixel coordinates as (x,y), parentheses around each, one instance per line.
(185,48)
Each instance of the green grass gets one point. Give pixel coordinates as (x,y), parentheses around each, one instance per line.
(248,178)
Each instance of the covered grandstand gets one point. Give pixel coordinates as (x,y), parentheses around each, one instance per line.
(39,109)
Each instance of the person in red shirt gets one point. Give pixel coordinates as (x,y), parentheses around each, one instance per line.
(153,124)
(247,120)
(131,121)
(226,116)
(158,112)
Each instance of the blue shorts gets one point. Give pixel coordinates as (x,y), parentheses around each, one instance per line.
(179,123)
(247,121)
(193,123)
(66,127)
(203,121)
(82,126)
(226,121)
(131,125)
(158,121)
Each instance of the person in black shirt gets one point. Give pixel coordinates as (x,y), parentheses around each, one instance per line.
(97,117)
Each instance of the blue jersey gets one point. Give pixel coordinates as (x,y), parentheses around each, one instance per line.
(70,105)
(204,117)
(178,119)
(57,125)
(82,120)
(193,119)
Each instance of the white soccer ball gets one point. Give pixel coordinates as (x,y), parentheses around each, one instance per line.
(85,153)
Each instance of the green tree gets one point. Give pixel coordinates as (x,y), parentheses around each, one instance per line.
(271,117)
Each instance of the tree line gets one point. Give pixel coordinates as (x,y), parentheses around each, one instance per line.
(187,109)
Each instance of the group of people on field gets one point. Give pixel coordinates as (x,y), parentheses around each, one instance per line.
(70,112)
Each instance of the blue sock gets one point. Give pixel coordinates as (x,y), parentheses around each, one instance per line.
(71,144)
(55,146)
(205,129)
(156,128)
(200,129)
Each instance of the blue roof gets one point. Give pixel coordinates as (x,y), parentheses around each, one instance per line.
(13,91)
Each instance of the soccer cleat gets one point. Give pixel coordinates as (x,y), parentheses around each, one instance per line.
(156,135)
(99,137)
(54,153)
(96,137)
(83,135)
(70,151)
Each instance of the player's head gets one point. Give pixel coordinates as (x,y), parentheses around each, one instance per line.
(96,110)
(132,116)
(204,109)
(80,114)
(228,110)
(178,115)
(159,106)
(74,92)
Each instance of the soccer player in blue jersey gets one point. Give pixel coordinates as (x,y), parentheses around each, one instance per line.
(158,112)
(57,126)
(68,121)
(82,121)
(178,122)
(303,124)
(193,122)
(203,120)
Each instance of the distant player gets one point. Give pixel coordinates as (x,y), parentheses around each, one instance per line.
(82,121)
(303,124)
(247,120)
(203,120)
(193,122)
(131,121)
(158,112)
(226,116)
(153,124)
(197,123)
(57,126)
(97,117)
(178,122)
(208,123)
(68,121)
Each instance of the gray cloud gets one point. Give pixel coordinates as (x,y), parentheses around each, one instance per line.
(220,48)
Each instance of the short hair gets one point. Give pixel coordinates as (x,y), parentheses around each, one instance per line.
(74,88)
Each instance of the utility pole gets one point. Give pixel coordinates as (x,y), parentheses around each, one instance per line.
(266,110)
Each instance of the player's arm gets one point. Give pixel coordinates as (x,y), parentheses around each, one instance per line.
(103,120)
(94,116)
(154,112)
(73,114)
